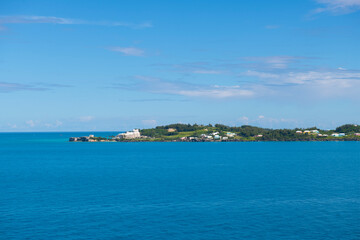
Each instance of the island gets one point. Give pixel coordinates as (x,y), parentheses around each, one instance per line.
(221,133)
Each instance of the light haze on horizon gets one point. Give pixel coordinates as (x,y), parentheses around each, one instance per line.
(117,65)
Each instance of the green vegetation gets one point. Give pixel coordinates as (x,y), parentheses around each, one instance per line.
(348,129)
(245,133)
(177,132)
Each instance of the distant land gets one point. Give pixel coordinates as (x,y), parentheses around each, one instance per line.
(221,133)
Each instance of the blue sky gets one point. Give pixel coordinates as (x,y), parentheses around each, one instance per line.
(116,65)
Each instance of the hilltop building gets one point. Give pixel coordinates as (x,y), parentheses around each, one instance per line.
(129,135)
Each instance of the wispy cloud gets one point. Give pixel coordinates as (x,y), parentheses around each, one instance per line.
(141,100)
(30,123)
(56,124)
(128,51)
(205,68)
(252,73)
(13,87)
(156,85)
(150,122)
(66,21)
(314,76)
(275,62)
(202,71)
(338,6)
(234,66)
(85,118)
(312,83)
(37,124)
(37,19)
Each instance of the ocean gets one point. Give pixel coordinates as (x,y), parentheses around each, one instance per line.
(54,189)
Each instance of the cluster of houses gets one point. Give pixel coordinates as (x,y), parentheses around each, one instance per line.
(317,133)
(215,136)
(313,132)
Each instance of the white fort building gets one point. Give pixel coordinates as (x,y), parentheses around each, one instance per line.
(129,135)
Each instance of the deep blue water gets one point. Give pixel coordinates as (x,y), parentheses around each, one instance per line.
(53,189)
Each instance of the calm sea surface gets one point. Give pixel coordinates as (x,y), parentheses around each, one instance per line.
(53,189)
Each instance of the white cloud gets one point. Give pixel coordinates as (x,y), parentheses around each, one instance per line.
(274,62)
(30,123)
(324,83)
(30,19)
(261,117)
(279,81)
(217,92)
(11,87)
(206,72)
(243,120)
(128,51)
(195,67)
(149,122)
(156,85)
(12,125)
(338,6)
(53,125)
(58,123)
(85,118)
(341,76)
(37,19)
(252,73)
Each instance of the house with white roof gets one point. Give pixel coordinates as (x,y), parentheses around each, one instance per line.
(230,134)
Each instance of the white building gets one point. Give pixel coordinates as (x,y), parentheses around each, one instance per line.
(230,134)
(129,135)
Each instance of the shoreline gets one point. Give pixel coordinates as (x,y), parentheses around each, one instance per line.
(221,133)
(242,141)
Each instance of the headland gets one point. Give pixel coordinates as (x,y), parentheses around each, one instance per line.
(222,133)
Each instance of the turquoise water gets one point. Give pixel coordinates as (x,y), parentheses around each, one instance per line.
(53,189)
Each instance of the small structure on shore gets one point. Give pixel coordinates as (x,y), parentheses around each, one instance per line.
(81,139)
